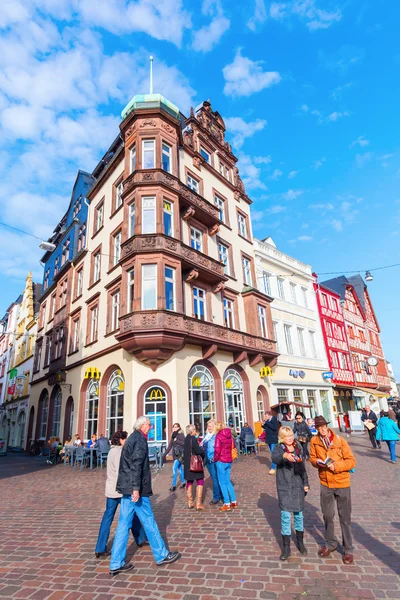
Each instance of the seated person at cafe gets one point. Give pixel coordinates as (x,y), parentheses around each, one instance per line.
(102,444)
(92,440)
(68,442)
(246,430)
(77,440)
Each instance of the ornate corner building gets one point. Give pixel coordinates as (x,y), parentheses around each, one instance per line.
(157,303)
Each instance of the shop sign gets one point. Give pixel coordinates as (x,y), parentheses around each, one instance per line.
(265,372)
(57,377)
(296,374)
(92,373)
(327,375)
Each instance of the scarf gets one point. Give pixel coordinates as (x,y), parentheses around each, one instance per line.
(327,441)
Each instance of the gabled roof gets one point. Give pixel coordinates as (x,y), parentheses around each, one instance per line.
(359,287)
(337,285)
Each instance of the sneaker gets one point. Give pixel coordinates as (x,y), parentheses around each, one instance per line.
(172,488)
(183,485)
(170,558)
(100,554)
(225,508)
(234,505)
(348,559)
(122,569)
(145,543)
(272,471)
(214,502)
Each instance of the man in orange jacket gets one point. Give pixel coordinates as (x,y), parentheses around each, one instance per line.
(332,456)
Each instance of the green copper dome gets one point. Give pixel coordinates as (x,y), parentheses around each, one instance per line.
(141,101)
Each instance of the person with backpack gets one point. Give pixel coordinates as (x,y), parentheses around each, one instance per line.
(223,458)
(331,455)
(176,444)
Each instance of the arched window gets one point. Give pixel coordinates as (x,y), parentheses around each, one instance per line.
(201,397)
(115,403)
(235,415)
(260,405)
(55,431)
(155,407)
(92,409)
(43,414)
(21,421)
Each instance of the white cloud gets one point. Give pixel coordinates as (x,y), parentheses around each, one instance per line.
(337,93)
(317,164)
(241,129)
(332,117)
(335,116)
(301,238)
(262,160)
(307,11)
(292,194)
(337,225)
(259,16)
(244,77)
(362,159)
(276,175)
(250,174)
(342,60)
(293,174)
(206,38)
(360,141)
(327,206)
(276,209)
(277,10)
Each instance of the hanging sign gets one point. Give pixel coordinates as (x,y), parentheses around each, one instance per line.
(327,375)
(92,373)
(296,374)
(265,372)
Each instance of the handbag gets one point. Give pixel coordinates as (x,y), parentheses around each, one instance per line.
(302,439)
(196,461)
(235,453)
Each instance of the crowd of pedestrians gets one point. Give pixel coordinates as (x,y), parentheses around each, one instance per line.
(292,442)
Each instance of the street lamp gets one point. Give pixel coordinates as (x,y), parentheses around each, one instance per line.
(47,246)
(368,276)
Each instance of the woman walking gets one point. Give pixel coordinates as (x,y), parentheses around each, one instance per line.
(113,499)
(176,444)
(303,433)
(209,447)
(388,432)
(224,445)
(193,448)
(292,485)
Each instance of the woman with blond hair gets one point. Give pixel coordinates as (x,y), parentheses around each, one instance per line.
(292,485)
(224,445)
(192,447)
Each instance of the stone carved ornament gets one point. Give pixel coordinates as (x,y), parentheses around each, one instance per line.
(192,275)
(167,127)
(190,212)
(148,123)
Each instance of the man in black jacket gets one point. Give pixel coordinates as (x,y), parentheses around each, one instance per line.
(369,418)
(270,427)
(134,483)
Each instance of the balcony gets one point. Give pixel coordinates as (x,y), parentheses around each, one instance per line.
(205,212)
(193,261)
(153,336)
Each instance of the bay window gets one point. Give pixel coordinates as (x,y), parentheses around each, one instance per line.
(166,157)
(167,217)
(149,154)
(262,319)
(149,287)
(148,215)
(169,282)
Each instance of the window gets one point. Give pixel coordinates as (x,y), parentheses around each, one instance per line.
(82,237)
(115,403)
(324,300)
(262,319)
(65,252)
(229,319)
(260,406)
(149,157)
(79,282)
(288,338)
(63,293)
(328,329)
(133,158)
(281,289)
(343,360)
(169,276)
(155,408)
(350,332)
(205,155)
(99,216)
(304,294)
(334,359)
(77,206)
(59,343)
(334,304)
(313,345)
(235,415)
(199,303)
(223,255)
(76,324)
(131,290)
(131,222)
(91,409)
(192,183)
(167,217)
(149,287)
(47,356)
(196,239)
(283,395)
(115,303)
(46,279)
(117,248)
(201,398)
(293,292)
(166,157)
(96,266)
(148,215)
(246,264)
(94,323)
(56,266)
(44,407)
(242,224)
(37,361)
(276,334)
(311,400)
(52,307)
(118,195)
(362,336)
(266,280)
(42,315)
(300,337)
(356,362)
(55,431)
(219,203)
(298,395)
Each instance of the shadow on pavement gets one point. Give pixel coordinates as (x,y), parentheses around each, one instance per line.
(270,507)
(14,465)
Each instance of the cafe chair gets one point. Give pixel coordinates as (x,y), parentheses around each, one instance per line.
(249,442)
(48,457)
(80,457)
(101,457)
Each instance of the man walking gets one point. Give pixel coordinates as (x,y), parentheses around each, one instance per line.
(370,420)
(270,427)
(332,456)
(134,483)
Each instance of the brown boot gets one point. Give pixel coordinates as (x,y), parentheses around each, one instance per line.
(199,498)
(189,496)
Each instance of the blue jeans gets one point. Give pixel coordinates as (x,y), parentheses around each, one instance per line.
(212,469)
(286,518)
(392,449)
(224,478)
(177,467)
(271,447)
(142,508)
(106,522)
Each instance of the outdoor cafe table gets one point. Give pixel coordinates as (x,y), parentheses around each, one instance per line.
(70,451)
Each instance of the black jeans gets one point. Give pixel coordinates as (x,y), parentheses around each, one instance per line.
(304,445)
(372,438)
(342,498)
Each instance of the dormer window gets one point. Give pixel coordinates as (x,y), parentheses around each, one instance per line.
(149,155)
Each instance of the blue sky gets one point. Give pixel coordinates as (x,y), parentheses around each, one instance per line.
(309,90)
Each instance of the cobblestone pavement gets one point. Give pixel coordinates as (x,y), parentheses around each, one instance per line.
(50,517)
